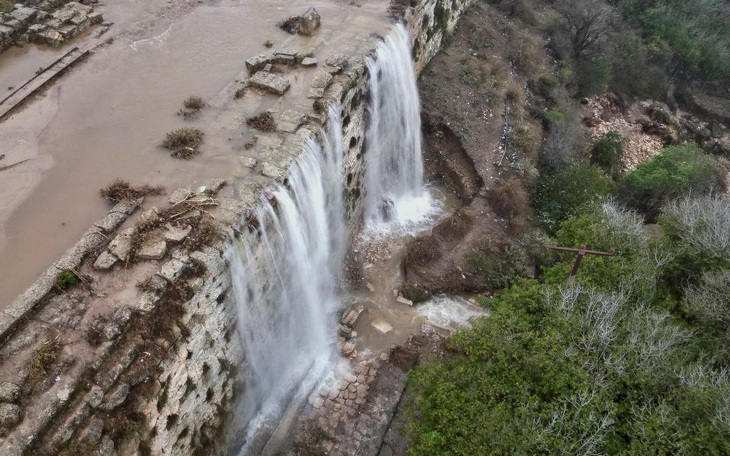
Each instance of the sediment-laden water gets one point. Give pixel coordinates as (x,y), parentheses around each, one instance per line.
(395,194)
(286,283)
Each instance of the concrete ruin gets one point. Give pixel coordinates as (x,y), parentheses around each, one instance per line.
(145,344)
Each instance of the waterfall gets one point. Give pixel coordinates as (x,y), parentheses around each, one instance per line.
(395,191)
(285,283)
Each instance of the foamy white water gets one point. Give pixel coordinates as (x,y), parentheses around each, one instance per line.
(396,198)
(450,311)
(285,284)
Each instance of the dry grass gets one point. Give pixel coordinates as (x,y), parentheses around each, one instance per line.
(455,226)
(262,122)
(6,6)
(121,190)
(526,138)
(290,24)
(183,142)
(44,357)
(419,252)
(510,199)
(194,103)
(487,77)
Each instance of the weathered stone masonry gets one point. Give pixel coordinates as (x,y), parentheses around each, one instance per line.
(165,367)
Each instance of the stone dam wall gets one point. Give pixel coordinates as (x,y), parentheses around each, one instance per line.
(142,356)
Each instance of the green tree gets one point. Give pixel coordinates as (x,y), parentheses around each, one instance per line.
(676,171)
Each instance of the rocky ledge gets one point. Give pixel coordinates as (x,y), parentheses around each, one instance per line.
(50,22)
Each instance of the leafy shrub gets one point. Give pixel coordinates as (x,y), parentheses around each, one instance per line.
(592,369)
(676,171)
(526,139)
(546,84)
(562,193)
(415,293)
(497,271)
(183,142)
(564,142)
(593,76)
(608,152)
(6,6)
(698,228)
(66,280)
(552,117)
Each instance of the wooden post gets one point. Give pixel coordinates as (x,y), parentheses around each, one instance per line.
(582,251)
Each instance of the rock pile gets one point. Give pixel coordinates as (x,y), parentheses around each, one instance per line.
(48,22)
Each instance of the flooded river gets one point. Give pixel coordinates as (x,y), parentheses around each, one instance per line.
(106,117)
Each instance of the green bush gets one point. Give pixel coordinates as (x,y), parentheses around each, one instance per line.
(552,117)
(561,193)
(598,368)
(608,152)
(6,6)
(676,171)
(546,84)
(497,271)
(66,279)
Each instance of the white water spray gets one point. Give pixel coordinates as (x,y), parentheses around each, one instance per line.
(395,194)
(285,284)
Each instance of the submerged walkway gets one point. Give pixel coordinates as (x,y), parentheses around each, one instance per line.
(40,80)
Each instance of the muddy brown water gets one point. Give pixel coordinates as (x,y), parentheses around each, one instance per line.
(106,117)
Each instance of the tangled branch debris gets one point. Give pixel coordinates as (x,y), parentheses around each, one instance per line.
(121,190)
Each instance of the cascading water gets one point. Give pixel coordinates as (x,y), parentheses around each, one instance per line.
(285,278)
(395,193)
(285,284)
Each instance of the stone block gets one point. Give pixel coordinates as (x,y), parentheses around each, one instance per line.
(9,392)
(50,37)
(254,64)
(105,261)
(121,245)
(15,24)
(382,326)
(24,14)
(248,162)
(180,195)
(176,233)
(290,121)
(309,62)
(269,82)
(95,17)
(9,415)
(172,269)
(269,170)
(153,249)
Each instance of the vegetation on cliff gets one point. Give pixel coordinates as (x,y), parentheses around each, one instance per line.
(632,358)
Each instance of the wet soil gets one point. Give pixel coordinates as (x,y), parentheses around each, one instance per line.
(463,94)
